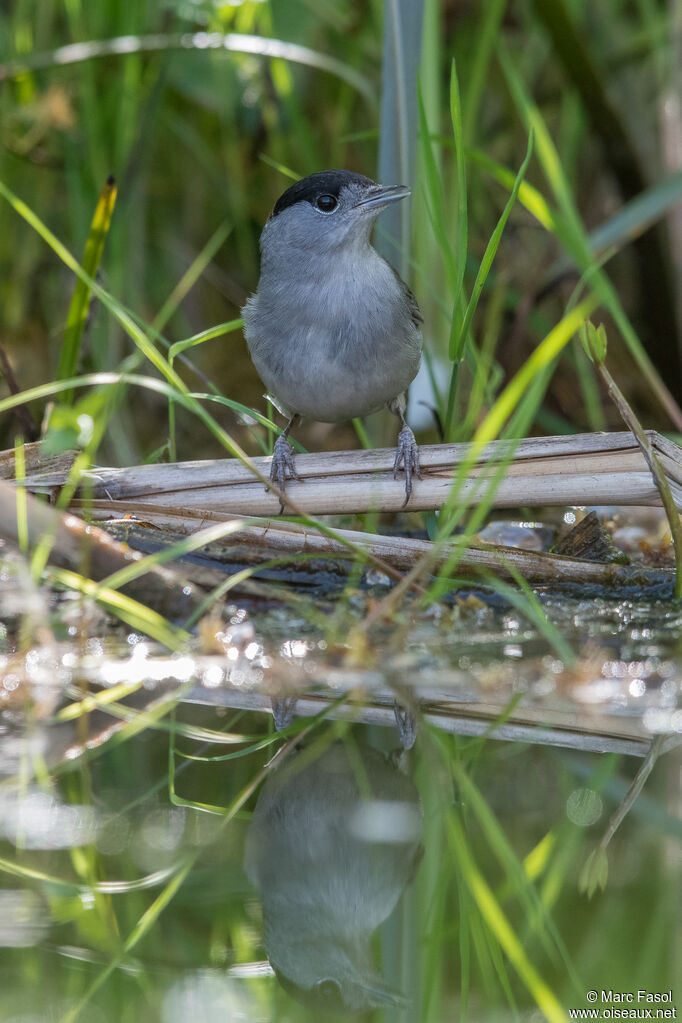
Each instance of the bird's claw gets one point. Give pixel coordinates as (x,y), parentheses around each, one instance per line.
(282,467)
(407,458)
(283,710)
(407,725)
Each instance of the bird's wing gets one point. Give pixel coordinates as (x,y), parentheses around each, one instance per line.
(412,304)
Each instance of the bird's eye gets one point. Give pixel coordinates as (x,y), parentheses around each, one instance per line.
(327,988)
(327,203)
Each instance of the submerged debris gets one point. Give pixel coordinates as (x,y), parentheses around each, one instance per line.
(589,540)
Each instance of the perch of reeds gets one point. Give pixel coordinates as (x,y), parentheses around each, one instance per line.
(569,728)
(252,540)
(580,469)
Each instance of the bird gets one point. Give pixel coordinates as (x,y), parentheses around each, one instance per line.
(332,329)
(333,841)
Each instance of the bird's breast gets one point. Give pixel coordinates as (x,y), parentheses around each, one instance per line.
(333,346)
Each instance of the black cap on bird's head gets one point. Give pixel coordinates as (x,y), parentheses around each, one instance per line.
(326,190)
(323,183)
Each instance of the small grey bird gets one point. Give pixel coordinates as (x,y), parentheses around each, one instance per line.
(333,842)
(332,329)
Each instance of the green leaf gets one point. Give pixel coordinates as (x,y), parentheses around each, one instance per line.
(489,255)
(529,196)
(542,356)
(191,275)
(572,234)
(206,335)
(594,341)
(461,236)
(435,202)
(80,303)
(234,42)
(498,924)
(144,344)
(132,612)
(72,426)
(595,873)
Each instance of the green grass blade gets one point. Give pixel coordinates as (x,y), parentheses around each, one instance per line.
(637,215)
(21,495)
(80,303)
(234,42)
(140,338)
(402,32)
(586,75)
(49,390)
(518,880)
(530,197)
(191,275)
(130,611)
(519,400)
(205,335)
(530,607)
(462,230)
(203,537)
(498,924)
(97,701)
(543,356)
(572,235)
(435,203)
(489,255)
(124,318)
(486,33)
(362,434)
(145,922)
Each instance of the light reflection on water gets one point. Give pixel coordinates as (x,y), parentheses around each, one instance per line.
(212,997)
(33,819)
(23,919)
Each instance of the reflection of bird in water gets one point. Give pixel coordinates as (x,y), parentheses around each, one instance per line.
(333,842)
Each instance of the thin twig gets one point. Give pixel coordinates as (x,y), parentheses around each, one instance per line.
(634,790)
(630,420)
(26,420)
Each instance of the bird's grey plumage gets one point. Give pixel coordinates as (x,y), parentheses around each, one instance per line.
(332,843)
(332,329)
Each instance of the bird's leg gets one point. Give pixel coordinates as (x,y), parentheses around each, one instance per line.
(282,467)
(283,710)
(407,454)
(407,724)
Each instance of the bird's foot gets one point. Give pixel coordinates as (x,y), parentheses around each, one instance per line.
(282,467)
(407,458)
(283,710)
(407,725)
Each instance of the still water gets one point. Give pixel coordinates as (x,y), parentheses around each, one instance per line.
(167,856)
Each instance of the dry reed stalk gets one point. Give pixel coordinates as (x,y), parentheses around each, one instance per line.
(77,545)
(581,469)
(255,540)
(598,733)
(606,468)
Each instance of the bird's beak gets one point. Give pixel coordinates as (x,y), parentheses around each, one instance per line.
(382,195)
(380,995)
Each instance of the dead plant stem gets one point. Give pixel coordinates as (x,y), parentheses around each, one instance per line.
(631,421)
